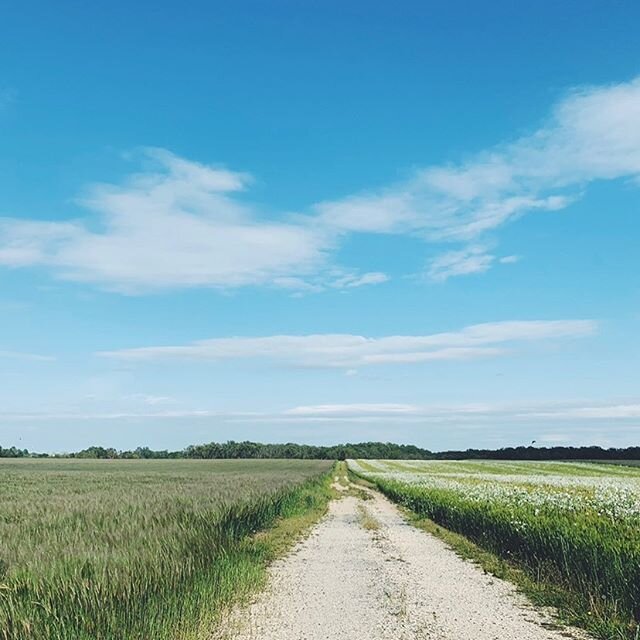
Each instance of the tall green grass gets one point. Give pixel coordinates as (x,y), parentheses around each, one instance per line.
(137,550)
(594,558)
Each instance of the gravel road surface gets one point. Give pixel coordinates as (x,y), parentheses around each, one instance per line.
(365,574)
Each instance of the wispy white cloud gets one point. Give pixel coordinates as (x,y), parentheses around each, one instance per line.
(592,134)
(185,224)
(465,261)
(331,279)
(472,259)
(575,413)
(349,351)
(464,413)
(353,280)
(342,410)
(594,411)
(19,355)
(179,225)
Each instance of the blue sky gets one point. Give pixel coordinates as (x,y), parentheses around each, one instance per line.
(319,222)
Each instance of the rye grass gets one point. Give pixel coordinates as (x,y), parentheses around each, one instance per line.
(138,550)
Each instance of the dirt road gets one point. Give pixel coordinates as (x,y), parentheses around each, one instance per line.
(365,574)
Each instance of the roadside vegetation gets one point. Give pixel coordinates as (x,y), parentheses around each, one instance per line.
(135,550)
(567,533)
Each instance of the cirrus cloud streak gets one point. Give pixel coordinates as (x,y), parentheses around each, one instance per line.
(349,351)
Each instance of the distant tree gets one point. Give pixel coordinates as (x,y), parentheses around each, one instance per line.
(97,452)
(14,452)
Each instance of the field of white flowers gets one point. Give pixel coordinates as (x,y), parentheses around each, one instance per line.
(574,525)
(612,491)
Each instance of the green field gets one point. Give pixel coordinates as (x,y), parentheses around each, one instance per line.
(574,528)
(138,549)
(624,463)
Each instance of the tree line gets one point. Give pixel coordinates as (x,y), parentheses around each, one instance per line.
(543,453)
(246,449)
(365,450)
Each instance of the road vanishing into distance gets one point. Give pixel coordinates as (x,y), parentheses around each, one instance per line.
(364,573)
